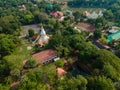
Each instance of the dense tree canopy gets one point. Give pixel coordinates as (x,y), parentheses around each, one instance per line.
(7,44)
(100,83)
(9,24)
(66,40)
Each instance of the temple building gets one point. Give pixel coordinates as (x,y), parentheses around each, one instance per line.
(42,38)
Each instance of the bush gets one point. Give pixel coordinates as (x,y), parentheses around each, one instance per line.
(103,41)
(30,64)
(59,63)
(31,32)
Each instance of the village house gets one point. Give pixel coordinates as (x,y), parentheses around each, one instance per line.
(100,45)
(22,8)
(60,71)
(113,29)
(46,56)
(58,15)
(115,36)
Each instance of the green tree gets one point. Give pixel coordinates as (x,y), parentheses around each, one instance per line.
(100,83)
(63,51)
(87,51)
(59,63)
(29,18)
(77,15)
(57,7)
(16,74)
(108,14)
(72,83)
(7,44)
(101,23)
(4,87)
(97,34)
(43,17)
(58,25)
(117,52)
(9,24)
(31,32)
(24,79)
(103,40)
(30,64)
(107,63)
(4,69)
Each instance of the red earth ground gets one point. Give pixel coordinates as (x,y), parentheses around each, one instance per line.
(85,26)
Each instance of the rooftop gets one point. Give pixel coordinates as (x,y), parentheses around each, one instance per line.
(99,45)
(44,55)
(57,14)
(61,71)
(114,36)
(113,31)
(49,5)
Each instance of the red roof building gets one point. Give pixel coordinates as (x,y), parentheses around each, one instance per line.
(58,15)
(22,8)
(61,71)
(46,56)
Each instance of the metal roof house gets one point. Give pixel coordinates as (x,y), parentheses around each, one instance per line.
(114,36)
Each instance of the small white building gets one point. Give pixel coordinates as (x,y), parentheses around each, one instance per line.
(112,31)
(22,8)
(93,15)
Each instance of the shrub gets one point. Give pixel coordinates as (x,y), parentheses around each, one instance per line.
(59,63)
(30,64)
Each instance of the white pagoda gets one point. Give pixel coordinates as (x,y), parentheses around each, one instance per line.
(42,37)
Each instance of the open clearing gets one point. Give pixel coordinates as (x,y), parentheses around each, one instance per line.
(85,26)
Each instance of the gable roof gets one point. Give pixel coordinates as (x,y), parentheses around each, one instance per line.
(57,14)
(44,55)
(61,71)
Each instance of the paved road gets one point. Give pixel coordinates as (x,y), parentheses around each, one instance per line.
(25,29)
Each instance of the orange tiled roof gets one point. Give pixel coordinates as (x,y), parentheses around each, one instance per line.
(44,55)
(57,14)
(61,71)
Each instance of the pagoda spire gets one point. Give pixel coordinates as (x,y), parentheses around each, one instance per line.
(42,37)
(42,33)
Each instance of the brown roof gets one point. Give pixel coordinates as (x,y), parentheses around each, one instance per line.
(61,71)
(57,14)
(44,55)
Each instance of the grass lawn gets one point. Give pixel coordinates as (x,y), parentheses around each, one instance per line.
(20,54)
